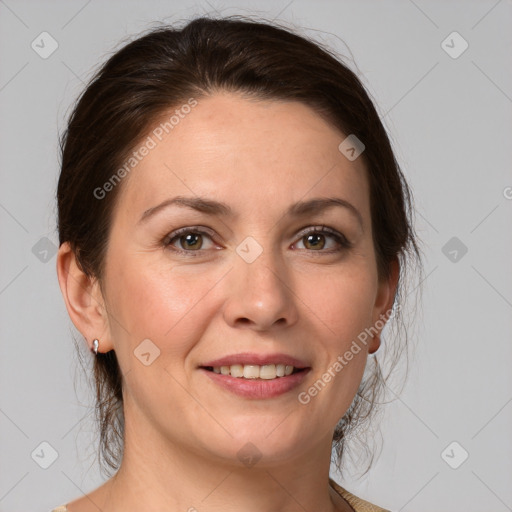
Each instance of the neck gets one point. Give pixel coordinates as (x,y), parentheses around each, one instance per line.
(160,475)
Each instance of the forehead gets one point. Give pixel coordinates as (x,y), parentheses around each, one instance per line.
(250,153)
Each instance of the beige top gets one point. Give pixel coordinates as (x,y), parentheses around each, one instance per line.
(356,503)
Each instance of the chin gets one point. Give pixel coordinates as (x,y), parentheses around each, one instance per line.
(268,443)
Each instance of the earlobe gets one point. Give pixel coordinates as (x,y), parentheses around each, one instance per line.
(83,298)
(384,303)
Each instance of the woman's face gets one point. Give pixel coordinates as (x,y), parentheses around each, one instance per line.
(250,277)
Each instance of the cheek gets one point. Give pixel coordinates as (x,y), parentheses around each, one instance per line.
(171,310)
(340,302)
(163,305)
(340,306)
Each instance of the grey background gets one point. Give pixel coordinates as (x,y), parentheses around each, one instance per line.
(450,122)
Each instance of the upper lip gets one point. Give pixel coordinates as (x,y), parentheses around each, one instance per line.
(257,359)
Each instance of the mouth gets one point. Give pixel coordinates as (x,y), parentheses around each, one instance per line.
(256,382)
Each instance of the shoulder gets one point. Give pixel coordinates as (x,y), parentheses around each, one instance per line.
(356,503)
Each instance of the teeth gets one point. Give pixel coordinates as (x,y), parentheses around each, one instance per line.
(236,370)
(253,371)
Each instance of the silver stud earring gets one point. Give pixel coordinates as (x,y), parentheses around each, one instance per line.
(95,346)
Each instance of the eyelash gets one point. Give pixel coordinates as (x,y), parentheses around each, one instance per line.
(315,230)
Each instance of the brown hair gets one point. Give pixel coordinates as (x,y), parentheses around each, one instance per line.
(161,70)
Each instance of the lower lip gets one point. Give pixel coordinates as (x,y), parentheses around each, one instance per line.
(257,388)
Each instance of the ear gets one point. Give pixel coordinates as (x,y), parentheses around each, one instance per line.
(383,303)
(84,300)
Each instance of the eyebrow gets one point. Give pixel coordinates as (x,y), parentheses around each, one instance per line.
(211,207)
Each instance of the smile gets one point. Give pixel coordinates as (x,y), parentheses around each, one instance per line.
(254,371)
(260,383)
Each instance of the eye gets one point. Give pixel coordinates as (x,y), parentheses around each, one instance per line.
(189,240)
(318,238)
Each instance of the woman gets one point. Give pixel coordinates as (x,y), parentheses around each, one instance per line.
(233,231)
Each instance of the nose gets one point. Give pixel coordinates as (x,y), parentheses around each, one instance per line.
(260,294)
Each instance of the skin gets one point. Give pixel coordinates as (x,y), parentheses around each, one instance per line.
(183,432)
